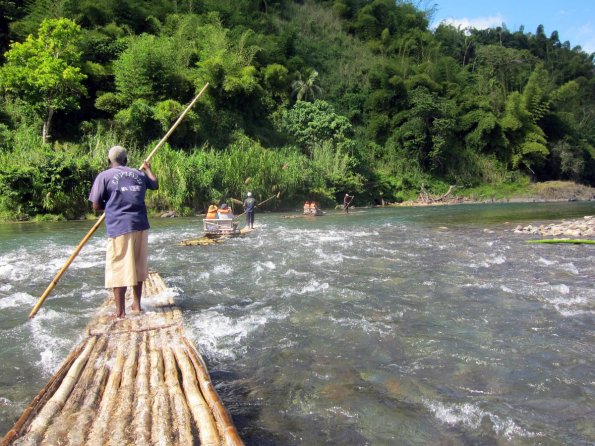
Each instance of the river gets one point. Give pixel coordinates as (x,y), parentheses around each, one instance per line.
(408,326)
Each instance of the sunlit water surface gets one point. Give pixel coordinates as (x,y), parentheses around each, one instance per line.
(409,326)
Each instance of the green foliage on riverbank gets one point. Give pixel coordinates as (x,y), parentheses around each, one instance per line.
(311,99)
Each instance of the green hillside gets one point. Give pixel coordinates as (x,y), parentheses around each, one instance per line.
(312,99)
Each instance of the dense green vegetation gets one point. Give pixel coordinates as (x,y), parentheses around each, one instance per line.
(308,98)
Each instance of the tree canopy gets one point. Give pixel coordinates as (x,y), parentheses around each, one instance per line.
(43,71)
(361,94)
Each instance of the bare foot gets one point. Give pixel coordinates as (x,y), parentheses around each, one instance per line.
(117,316)
(135,311)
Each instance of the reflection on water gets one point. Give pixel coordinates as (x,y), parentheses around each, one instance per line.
(390,326)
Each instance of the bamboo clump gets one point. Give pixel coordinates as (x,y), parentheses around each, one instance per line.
(131,381)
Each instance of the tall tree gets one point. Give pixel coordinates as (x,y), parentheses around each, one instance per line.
(43,71)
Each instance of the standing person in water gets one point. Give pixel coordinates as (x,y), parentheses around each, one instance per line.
(347,201)
(249,205)
(120,192)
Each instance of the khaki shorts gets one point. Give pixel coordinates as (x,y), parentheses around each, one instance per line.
(126,259)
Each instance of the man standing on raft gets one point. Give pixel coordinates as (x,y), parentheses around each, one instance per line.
(249,205)
(120,191)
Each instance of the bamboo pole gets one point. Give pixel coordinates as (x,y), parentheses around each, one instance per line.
(179,409)
(86,415)
(160,414)
(142,409)
(99,431)
(121,415)
(86,238)
(232,438)
(203,418)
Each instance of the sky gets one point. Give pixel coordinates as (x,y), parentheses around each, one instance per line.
(573,19)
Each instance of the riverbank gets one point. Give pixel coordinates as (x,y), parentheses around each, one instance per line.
(549,191)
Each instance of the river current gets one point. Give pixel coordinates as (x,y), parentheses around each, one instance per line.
(400,326)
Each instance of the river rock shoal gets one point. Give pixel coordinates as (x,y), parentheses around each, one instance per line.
(584,227)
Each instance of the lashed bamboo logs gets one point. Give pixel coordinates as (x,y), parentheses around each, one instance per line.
(133,381)
(41,398)
(60,428)
(41,422)
(213,239)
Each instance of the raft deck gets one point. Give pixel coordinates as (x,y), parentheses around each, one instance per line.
(137,380)
(210,239)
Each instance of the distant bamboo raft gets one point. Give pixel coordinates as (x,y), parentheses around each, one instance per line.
(132,381)
(211,239)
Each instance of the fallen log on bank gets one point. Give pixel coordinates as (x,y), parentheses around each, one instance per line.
(130,381)
(425,197)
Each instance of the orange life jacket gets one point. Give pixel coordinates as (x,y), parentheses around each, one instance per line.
(224,211)
(212,212)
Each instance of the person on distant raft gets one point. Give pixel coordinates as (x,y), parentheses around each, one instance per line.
(315,210)
(120,192)
(347,201)
(249,205)
(224,213)
(212,212)
(307,208)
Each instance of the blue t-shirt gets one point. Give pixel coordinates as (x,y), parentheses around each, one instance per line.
(121,192)
(249,204)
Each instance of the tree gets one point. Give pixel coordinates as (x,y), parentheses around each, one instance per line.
(312,123)
(426,131)
(148,70)
(529,117)
(306,89)
(43,71)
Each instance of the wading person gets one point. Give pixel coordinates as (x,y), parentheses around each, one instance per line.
(346,202)
(249,205)
(120,192)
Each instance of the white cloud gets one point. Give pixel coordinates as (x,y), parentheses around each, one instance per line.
(589,46)
(477,22)
(585,37)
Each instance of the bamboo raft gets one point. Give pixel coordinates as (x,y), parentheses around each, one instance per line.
(211,239)
(137,381)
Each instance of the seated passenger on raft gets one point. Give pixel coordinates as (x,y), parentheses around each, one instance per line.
(224,212)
